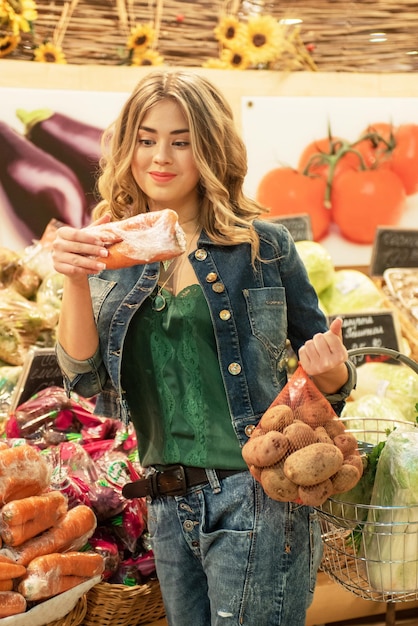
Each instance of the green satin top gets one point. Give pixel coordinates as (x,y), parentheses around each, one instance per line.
(174,388)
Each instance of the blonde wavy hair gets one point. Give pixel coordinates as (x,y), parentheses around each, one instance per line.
(226,213)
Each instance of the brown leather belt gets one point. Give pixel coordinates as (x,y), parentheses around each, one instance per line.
(174,480)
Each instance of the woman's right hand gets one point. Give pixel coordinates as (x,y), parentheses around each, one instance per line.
(77,252)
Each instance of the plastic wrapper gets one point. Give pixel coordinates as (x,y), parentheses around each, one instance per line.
(21,520)
(9,261)
(52,574)
(72,532)
(390,541)
(37,258)
(300,450)
(106,545)
(23,472)
(21,323)
(135,570)
(50,417)
(50,291)
(9,375)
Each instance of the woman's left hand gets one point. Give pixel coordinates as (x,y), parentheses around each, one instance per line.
(325,351)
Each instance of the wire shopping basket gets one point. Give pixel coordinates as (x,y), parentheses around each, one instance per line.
(370,550)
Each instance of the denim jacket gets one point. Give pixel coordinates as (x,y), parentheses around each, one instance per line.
(254,310)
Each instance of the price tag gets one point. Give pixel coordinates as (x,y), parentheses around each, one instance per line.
(299,226)
(374,330)
(394,247)
(40,370)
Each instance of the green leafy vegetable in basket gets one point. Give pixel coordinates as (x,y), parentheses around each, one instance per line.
(390,537)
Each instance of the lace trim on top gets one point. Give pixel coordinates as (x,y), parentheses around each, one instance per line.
(174,386)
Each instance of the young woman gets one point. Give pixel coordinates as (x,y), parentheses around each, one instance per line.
(195,353)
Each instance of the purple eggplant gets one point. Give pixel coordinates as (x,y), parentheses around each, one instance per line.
(38,186)
(73,142)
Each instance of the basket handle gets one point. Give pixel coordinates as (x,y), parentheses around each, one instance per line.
(394,354)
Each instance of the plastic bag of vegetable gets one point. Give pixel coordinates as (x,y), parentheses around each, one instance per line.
(390,538)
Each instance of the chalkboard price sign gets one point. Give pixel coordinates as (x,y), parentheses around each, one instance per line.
(374,330)
(40,370)
(299,226)
(394,247)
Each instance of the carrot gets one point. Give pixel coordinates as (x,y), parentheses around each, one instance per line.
(143,238)
(21,511)
(10,569)
(73,563)
(40,588)
(21,520)
(70,533)
(23,472)
(11,603)
(6,585)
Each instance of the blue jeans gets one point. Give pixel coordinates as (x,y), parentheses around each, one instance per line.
(227,555)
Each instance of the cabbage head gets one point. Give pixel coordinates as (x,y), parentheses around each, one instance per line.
(390,538)
(370,416)
(398,383)
(318,263)
(349,292)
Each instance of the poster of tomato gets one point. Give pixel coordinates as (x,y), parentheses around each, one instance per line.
(363,184)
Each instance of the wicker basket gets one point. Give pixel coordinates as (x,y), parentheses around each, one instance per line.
(75,617)
(120,605)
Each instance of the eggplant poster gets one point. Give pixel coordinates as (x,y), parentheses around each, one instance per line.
(351,164)
(49,158)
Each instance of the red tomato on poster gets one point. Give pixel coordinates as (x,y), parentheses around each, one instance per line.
(363,200)
(286,191)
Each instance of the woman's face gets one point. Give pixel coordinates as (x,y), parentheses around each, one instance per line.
(163,164)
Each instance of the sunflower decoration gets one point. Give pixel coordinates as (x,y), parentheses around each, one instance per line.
(264,39)
(140,44)
(49,53)
(149,57)
(16,17)
(230,32)
(261,42)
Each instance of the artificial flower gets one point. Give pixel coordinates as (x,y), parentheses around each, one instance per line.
(141,38)
(229,31)
(8,43)
(149,57)
(264,39)
(49,53)
(235,59)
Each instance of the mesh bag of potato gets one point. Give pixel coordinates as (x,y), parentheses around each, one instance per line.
(300,450)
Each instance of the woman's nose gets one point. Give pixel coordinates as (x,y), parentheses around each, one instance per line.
(162,154)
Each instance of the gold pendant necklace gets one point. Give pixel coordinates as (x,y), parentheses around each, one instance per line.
(159,301)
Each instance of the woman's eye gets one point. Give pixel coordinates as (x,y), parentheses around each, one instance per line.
(146,142)
(181,144)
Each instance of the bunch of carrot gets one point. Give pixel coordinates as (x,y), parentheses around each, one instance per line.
(41,538)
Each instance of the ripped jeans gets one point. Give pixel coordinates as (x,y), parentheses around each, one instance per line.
(227,555)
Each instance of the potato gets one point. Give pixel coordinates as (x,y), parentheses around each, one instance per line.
(299,435)
(346,442)
(313,464)
(345,479)
(265,450)
(276,484)
(322,435)
(315,495)
(357,461)
(276,417)
(255,472)
(315,413)
(334,427)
